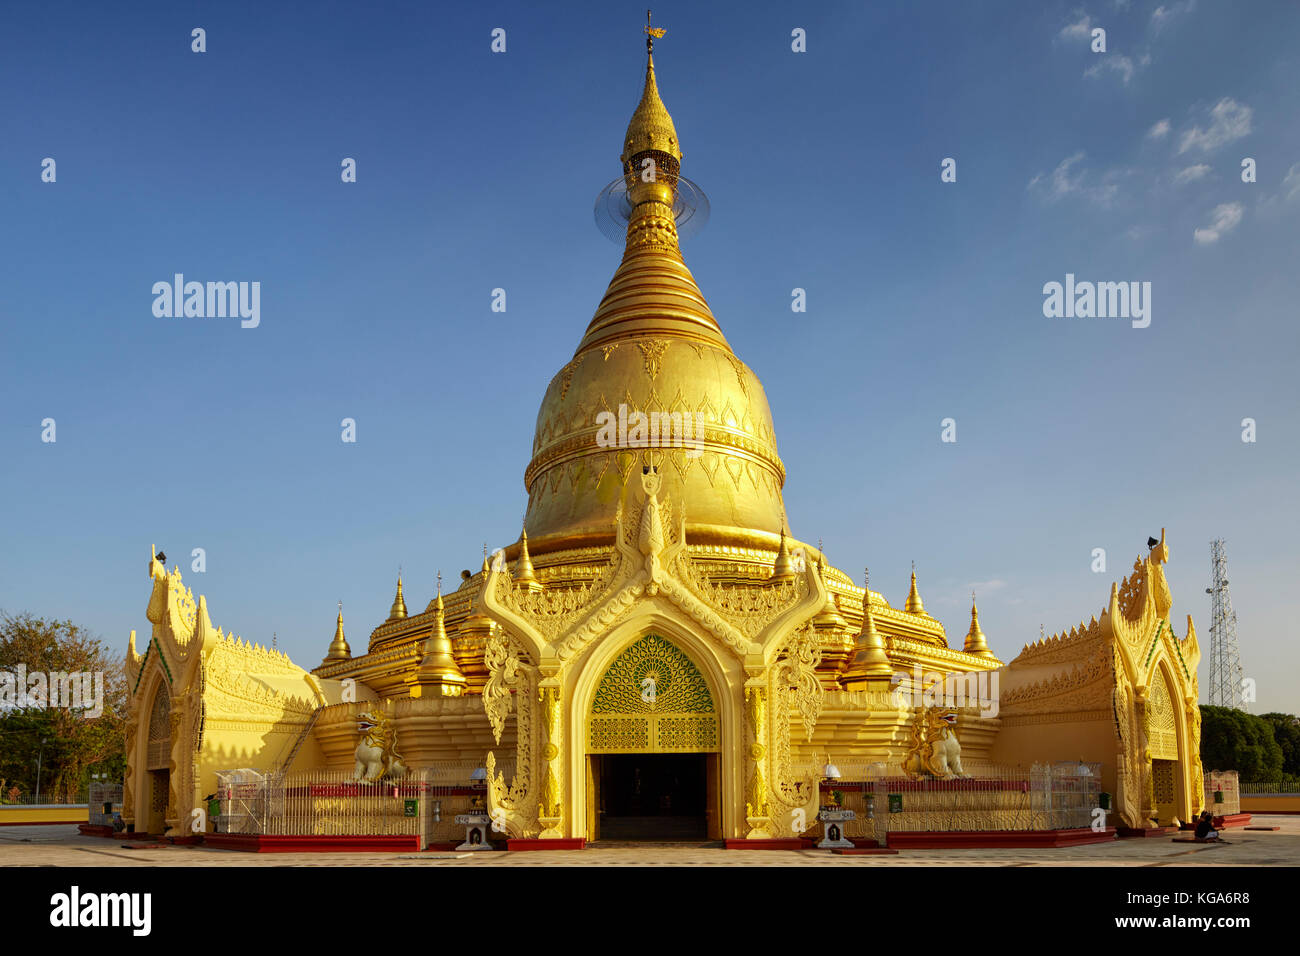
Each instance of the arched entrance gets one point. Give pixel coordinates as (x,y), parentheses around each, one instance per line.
(1162,740)
(652,742)
(157,765)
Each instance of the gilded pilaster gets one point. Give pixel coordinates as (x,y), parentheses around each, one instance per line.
(756,803)
(551,810)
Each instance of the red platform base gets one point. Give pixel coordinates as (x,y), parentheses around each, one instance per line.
(1232,820)
(255,843)
(867,851)
(997,839)
(793,843)
(561,843)
(96,830)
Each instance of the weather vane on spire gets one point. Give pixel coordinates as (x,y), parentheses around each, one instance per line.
(652,34)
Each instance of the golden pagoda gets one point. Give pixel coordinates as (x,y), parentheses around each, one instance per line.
(657,620)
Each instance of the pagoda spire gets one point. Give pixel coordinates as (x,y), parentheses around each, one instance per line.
(438,674)
(976,643)
(338,649)
(914,604)
(870,662)
(829,616)
(783,570)
(398,611)
(652,291)
(651,127)
(524,573)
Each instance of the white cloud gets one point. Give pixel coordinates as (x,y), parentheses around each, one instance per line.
(1228,121)
(986,587)
(1081,29)
(1068,179)
(1115,63)
(1190,174)
(1291,184)
(1159,130)
(1271,205)
(1164,15)
(1225,218)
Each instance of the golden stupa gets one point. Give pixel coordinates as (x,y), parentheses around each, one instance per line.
(657,617)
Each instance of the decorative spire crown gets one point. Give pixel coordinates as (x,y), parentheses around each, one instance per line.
(976,643)
(438,670)
(338,649)
(914,604)
(398,611)
(524,573)
(783,570)
(870,662)
(651,128)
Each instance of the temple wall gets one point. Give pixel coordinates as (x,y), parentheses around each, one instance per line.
(429,730)
(1046,738)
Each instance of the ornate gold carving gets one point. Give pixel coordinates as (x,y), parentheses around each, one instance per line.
(1162,732)
(652,350)
(502,664)
(652,699)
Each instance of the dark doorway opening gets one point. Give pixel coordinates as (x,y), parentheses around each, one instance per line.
(661,797)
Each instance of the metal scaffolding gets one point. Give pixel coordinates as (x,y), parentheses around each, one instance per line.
(1225,657)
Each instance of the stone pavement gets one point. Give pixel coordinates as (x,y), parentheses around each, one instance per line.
(64,846)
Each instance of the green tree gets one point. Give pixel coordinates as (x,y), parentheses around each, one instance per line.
(1286,731)
(1235,740)
(68,745)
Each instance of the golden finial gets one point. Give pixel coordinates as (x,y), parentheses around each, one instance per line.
(783,570)
(398,610)
(338,649)
(914,604)
(651,129)
(524,566)
(652,34)
(976,643)
(438,674)
(829,615)
(870,662)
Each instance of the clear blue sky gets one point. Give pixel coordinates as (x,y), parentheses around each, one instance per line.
(478,170)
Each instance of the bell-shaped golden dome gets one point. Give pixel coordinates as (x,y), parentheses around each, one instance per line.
(654,349)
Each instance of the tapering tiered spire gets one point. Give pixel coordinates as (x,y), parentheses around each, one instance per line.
(829,616)
(783,569)
(651,128)
(914,604)
(870,662)
(338,649)
(652,291)
(975,640)
(524,573)
(438,673)
(398,611)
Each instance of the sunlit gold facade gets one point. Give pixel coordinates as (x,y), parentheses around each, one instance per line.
(673,565)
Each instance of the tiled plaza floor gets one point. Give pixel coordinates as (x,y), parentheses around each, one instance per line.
(64,846)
